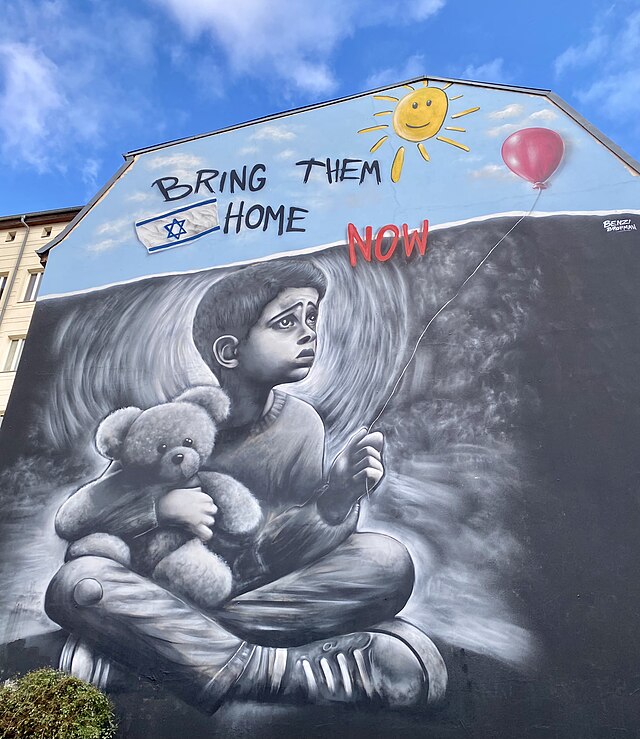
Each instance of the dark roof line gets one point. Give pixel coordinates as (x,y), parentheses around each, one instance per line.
(324,104)
(594,131)
(40,215)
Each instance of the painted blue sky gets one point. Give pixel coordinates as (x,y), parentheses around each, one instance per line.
(83,82)
(455,184)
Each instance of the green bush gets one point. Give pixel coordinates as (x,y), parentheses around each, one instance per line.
(47,704)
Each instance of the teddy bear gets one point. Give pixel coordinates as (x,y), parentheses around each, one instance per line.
(154,451)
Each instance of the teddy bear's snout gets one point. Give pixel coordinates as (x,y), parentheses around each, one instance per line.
(180,463)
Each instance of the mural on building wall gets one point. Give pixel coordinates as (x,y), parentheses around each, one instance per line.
(334,430)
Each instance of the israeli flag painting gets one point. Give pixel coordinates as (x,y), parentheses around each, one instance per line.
(178,227)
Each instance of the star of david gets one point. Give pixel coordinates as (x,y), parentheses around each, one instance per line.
(169,228)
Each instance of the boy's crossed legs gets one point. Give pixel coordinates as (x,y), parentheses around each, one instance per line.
(265,643)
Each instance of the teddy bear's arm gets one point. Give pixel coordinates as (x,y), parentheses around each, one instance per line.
(239,512)
(107,505)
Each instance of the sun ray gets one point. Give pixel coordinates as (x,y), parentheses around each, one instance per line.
(396,167)
(409,86)
(385,97)
(373,128)
(446,86)
(378,144)
(425,83)
(445,140)
(466,112)
(384,112)
(455,128)
(424,152)
(456,97)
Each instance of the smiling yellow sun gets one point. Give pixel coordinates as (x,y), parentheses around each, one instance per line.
(418,116)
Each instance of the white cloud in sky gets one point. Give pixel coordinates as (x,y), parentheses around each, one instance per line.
(89,174)
(413,67)
(58,91)
(293,41)
(490,71)
(610,58)
(30,97)
(76,76)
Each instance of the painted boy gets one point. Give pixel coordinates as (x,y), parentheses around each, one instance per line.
(314,616)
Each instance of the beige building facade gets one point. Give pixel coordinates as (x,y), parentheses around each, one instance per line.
(21,269)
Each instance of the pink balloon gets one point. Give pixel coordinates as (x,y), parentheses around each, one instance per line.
(533,154)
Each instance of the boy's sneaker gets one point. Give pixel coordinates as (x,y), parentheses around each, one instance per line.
(80,660)
(394,665)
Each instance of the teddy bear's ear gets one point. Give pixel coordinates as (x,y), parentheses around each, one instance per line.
(112,431)
(211,397)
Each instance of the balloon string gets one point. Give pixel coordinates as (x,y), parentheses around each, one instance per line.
(440,310)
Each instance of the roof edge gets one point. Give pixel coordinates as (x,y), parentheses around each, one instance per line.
(315,106)
(39,216)
(594,131)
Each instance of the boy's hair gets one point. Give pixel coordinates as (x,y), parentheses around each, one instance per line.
(233,304)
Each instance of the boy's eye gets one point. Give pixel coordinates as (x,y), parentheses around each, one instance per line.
(162,448)
(286,322)
(187,442)
(312,317)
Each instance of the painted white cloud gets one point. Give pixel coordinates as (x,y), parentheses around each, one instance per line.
(610,58)
(181,165)
(511,111)
(97,247)
(113,227)
(504,130)
(537,117)
(291,40)
(544,115)
(491,171)
(172,161)
(271,132)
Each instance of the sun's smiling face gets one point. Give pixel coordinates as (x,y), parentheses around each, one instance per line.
(420,114)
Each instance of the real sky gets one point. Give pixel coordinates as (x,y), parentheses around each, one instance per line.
(83,82)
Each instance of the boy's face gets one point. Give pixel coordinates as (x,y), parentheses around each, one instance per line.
(281,346)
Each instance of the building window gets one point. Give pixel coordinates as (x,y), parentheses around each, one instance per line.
(11,235)
(3,284)
(31,293)
(15,352)
(46,231)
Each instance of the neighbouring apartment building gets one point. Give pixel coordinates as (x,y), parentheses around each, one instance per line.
(21,269)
